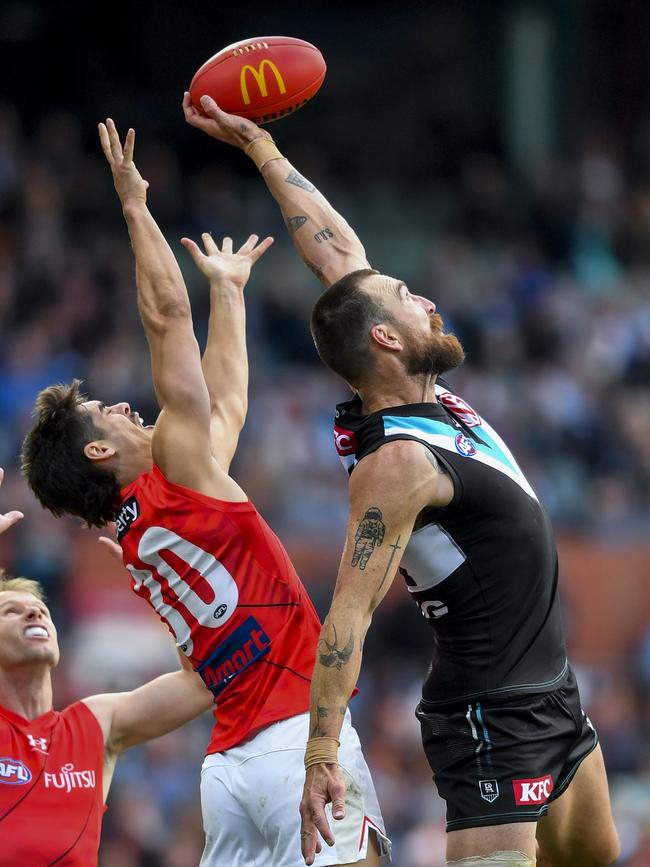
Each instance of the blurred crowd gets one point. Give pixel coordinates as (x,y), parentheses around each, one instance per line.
(546,280)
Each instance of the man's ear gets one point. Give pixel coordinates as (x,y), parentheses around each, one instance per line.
(386,337)
(99,450)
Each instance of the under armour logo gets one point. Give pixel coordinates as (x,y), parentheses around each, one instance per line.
(37,743)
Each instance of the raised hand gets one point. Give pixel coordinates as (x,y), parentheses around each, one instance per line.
(129,183)
(221,266)
(229,128)
(9,518)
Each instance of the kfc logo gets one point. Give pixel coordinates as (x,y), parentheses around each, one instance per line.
(459,408)
(345,441)
(535,791)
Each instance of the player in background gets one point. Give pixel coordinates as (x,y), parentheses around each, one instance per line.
(197,549)
(436,492)
(56,767)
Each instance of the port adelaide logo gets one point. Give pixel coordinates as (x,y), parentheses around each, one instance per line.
(489,790)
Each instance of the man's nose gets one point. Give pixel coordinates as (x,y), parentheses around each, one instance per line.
(429,306)
(123,408)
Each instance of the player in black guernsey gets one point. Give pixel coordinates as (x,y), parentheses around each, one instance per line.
(436,494)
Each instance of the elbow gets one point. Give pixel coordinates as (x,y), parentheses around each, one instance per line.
(166,315)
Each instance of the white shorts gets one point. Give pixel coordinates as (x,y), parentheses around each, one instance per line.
(250,796)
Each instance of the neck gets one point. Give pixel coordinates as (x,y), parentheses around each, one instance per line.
(382,393)
(132,464)
(26,690)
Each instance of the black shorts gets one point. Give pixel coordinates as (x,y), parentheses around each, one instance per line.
(500,762)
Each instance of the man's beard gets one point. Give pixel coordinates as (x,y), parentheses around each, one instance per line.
(436,354)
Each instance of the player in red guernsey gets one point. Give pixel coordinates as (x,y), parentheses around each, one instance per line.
(199,552)
(56,766)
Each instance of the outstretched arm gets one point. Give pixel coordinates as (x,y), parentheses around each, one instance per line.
(152,710)
(324,240)
(225,360)
(181,438)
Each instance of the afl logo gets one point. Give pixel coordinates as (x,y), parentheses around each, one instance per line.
(345,441)
(14,772)
(220,611)
(465,446)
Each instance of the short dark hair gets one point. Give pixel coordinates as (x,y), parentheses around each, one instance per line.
(63,479)
(340,325)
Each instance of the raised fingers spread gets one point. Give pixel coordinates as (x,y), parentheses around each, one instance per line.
(261,249)
(226,246)
(114,139)
(209,243)
(105,143)
(248,245)
(129,145)
(193,249)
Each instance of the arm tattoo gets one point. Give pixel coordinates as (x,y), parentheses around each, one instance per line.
(321,712)
(331,656)
(294,223)
(433,460)
(396,547)
(298,181)
(323,235)
(369,535)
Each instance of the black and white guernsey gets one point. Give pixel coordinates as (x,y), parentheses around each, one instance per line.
(484,569)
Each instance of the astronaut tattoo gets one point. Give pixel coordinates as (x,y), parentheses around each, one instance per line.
(369,535)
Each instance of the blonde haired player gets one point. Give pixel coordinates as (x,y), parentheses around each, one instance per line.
(56,767)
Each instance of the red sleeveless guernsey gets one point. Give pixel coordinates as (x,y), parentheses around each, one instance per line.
(51,801)
(224,585)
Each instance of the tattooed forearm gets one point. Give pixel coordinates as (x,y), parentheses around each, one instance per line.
(297,180)
(331,655)
(369,535)
(316,731)
(323,235)
(294,223)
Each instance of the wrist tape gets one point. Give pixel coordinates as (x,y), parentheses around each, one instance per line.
(262,150)
(321,750)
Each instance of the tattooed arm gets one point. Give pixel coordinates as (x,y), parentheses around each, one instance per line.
(324,240)
(388,489)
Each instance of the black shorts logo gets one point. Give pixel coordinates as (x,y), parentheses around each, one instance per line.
(489,790)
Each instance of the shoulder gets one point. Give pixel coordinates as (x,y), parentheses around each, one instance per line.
(101,708)
(402,469)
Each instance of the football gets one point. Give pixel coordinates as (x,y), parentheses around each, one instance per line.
(262,79)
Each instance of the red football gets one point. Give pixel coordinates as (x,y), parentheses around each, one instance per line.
(263,79)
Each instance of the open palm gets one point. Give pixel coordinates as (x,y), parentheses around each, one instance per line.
(222,265)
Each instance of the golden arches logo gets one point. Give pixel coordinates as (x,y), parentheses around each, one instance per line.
(260,78)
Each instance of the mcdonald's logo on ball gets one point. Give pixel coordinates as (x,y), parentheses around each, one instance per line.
(258,75)
(262,79)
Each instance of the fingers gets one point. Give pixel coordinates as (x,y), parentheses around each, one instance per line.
(112,547)
(9,519)
(337,794)
(193,249)
(226,246)
(114,140)
(261,249)
(105,143)
(129,145)
(248,245)
(210,107)
(2,475)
